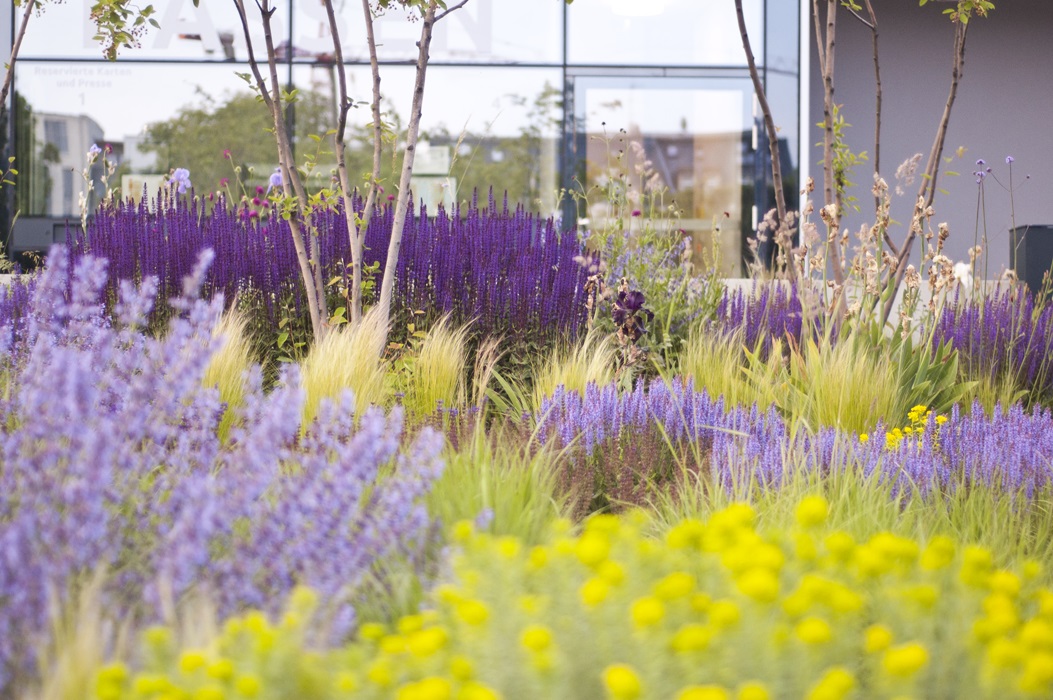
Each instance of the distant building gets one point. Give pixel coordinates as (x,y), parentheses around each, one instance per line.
(67,138)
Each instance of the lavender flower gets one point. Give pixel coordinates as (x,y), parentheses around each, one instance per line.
(1011,451)
(112,461)
(275,181)
(510,271)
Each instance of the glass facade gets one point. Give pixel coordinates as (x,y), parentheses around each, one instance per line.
(525,98)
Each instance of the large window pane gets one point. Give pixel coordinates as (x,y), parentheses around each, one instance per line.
(483,127)
(661,32)
(486,31)
(209,32)
(188,123)
(683,139)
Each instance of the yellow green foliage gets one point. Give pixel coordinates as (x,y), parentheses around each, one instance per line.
(436,372)
(591,361)
(713,609)
(348,357)
(228,365)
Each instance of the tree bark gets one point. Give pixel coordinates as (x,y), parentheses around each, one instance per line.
(290,178)
(412,131)
(927,190)
(30,4)
(827,43)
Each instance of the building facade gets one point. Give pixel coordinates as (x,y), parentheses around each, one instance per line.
(549,103)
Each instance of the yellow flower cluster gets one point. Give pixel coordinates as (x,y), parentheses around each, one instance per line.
(912,433)
(716,609)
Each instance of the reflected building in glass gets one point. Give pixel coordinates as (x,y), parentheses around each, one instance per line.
(533,99)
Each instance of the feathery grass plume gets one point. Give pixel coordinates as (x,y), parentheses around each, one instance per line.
(347,358)
(437,372)
(228,366)
(716,362)
(991,391)
(575,366)
(844,385)
(487,355)
(83,634)
(501,482)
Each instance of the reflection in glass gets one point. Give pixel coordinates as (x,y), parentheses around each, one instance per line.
(680,142)
(485,31)
(662,32)
(481,127)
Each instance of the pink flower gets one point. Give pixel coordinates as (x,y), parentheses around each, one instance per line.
(391,198)
(256,201)
(260,190)
(226,153)
(224,181)
(637,212)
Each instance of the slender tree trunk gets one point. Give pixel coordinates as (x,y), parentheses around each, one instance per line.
(9,74)
(773,142)
(927,190)
(412,131)
(356,226)
(290,178)
(826,41)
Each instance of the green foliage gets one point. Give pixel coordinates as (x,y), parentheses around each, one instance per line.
(120,24)
(229,364)
(926,376)
(592,360)
(499,478)
(432,370)
(844,159)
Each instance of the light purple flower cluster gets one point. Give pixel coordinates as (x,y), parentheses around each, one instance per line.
(111,461)
(1002,334)
(1011,451)
(511,272)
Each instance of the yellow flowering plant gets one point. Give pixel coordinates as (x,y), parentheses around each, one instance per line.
(715,608)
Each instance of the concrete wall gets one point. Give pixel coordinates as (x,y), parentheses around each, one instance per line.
(1004,107)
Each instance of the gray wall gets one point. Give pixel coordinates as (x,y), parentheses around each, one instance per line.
(1004,107)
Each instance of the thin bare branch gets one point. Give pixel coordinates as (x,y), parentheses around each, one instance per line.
(873,25)
(30,4)
(312,286)
(412,131)
(859,17)
(448,10)
(927,190)
(893,248)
